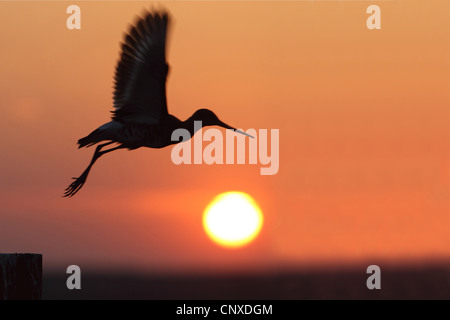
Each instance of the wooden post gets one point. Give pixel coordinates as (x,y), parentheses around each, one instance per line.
(20,276)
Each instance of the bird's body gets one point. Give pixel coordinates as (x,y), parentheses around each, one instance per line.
(141,118)
(134,135)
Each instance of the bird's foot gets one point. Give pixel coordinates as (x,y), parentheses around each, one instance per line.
(76,185)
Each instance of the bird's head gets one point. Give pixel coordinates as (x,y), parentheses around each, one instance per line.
(206,116)
(209,118)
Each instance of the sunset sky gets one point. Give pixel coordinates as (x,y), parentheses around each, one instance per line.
(363,117)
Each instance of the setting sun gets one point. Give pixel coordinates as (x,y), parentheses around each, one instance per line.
(232,219)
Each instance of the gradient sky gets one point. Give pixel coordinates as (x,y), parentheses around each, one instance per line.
(363,118)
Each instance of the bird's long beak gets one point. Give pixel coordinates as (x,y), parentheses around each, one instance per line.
(242,132)
(223,124)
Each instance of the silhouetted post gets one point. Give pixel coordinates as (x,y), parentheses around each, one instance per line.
(20,276)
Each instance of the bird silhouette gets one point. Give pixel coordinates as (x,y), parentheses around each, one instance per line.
(140,117)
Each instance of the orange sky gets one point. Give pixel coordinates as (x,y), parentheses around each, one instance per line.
(363,118)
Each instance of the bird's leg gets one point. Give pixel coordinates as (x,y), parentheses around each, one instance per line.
(79,182)
(109,150)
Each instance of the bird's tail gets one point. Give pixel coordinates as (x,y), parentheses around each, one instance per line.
(90,140)
(107,131)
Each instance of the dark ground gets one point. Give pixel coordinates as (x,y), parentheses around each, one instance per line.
(414,282)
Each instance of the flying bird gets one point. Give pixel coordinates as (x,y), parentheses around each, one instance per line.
(140,117)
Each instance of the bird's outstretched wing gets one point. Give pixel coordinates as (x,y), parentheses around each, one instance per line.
(140,78)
